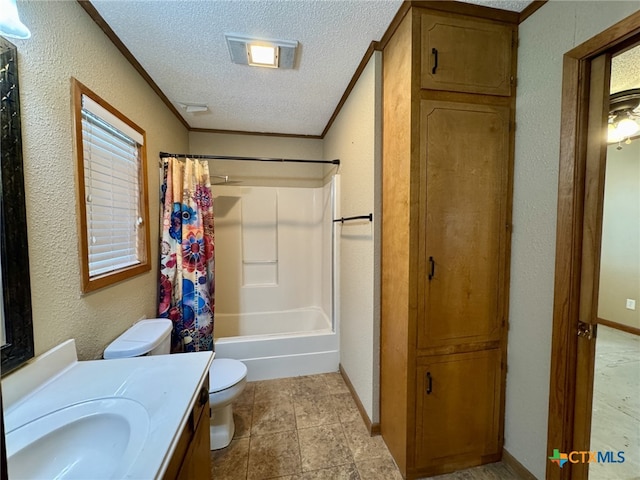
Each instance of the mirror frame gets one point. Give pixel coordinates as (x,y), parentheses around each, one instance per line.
(16,285)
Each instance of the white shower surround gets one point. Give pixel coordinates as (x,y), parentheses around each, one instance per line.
(284,326)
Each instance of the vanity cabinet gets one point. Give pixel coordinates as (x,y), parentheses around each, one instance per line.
(446,211)
(191,458)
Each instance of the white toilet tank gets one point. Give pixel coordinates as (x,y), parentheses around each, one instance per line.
(146,337)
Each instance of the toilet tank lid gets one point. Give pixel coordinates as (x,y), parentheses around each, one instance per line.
(141,338)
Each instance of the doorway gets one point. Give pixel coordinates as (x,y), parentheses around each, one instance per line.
(585,108)
(615,419)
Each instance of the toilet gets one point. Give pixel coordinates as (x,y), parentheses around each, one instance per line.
(146,337)
(227,377)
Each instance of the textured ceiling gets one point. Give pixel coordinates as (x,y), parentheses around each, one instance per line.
(181,45)
(625,70)
(514,5)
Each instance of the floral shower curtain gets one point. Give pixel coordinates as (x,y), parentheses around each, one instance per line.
(186,290)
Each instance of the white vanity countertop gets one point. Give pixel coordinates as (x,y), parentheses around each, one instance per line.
(167,386)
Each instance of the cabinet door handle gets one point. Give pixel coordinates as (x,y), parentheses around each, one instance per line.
(429,383)
(204,396)
(435,60)
(432,268)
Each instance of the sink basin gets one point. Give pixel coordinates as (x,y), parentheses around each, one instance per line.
(97,439)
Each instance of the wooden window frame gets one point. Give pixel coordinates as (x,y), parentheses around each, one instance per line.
(89,283)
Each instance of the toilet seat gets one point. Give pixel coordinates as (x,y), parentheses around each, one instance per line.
(225,373)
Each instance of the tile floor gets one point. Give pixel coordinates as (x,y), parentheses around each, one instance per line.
(309,428)
(615,423)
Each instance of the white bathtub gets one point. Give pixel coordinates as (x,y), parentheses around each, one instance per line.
(278,344)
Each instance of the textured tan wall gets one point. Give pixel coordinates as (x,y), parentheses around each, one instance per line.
(261,173)
(620,251)
(355,139)
(66,43)
(544,38)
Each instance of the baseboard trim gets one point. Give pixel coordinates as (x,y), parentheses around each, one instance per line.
(619,326)
(516,466)
(374,428)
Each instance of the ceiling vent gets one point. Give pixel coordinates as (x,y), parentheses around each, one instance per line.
(259,52)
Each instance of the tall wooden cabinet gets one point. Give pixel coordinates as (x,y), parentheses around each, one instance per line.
(448,109)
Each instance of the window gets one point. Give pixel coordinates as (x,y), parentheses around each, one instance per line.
(112,192)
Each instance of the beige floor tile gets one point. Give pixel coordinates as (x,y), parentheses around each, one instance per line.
(346,407)
(378,469)
(310,385)
(309,428)
(273,417)
(468,474)
(492,471)
(335,382)
(272,456)
(242,415)
(446,476)
(246,397)
(500,471)
(314,411)
(230,463)
(362,445)
(486,472)
(343,472)
(272,390)
(323,446)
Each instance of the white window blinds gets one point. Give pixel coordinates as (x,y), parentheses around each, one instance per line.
(112,191)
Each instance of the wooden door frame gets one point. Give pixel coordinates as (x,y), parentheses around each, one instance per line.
(563,423)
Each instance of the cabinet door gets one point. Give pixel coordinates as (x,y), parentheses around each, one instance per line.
(465,162)
(466,55)
(197,461)
(457,408)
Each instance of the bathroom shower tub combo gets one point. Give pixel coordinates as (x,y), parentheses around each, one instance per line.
(276,277)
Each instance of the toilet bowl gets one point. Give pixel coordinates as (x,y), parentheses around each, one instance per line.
(227,379)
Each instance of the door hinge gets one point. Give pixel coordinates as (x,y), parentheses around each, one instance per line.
(514,81)
(513,125)
(586,330)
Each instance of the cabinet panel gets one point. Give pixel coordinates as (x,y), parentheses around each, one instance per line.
(197,462)
(396,333)
(465,162)
(191,457)
(458,407)
(472,56)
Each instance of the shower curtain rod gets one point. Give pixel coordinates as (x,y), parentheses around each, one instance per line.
(258,159)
